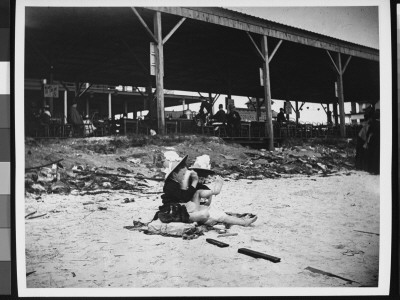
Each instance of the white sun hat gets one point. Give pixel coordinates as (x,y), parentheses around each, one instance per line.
(202,166)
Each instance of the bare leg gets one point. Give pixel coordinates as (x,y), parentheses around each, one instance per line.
(217,185)
(238,221)
(199,216)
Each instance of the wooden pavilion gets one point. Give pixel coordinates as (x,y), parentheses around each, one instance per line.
(200,49)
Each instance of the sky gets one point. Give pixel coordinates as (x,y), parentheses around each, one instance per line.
(358,25)
(353,24)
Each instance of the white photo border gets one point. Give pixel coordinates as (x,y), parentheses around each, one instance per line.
(386,152)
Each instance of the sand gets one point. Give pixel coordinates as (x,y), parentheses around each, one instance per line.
(305,221)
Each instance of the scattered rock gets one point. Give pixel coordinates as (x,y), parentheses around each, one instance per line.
(37,188)
(60,188)
(75,192)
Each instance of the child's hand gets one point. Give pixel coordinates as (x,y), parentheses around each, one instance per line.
(194,176)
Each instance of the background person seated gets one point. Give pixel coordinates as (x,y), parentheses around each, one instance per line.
(45,115)
(281,116)
(76,120)
(233,122)
(220,116)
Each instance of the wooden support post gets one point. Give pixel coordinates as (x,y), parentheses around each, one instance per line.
(341,96)
(353,111)
(328,114)
(335,112)
(51,100)
(297,112)
(210,99)
(125,106)
(269,132)
(134,112)
(149,100)
(159,73)
(173,30)
(125,114)
(65,107)
(87,107)
(183,105)
(148,31)
(287,102)
(258,109)
(228,96)
(77,88)
(255,46)
(276,49)
(109,106)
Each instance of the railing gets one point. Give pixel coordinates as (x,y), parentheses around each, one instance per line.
(247,130)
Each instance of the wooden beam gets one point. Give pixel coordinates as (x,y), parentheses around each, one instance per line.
(159,73)
(346,64)
(252,104)
(255,46)
(216,98)
(85,90)
(276,49)
(292,105)
(269,132)
(148,31)
(341,96)
(137,89)
(264,27)
(173,30)
(323,107)
(333,62)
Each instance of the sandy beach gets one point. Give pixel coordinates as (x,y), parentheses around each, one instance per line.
(327,223)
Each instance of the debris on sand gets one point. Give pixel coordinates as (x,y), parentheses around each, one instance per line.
(71,171)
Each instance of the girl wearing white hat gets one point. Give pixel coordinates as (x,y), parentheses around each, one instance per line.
(182,186)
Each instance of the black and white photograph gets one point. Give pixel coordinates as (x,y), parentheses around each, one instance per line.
(203,149)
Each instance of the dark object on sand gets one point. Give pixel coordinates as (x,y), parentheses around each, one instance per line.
(256,254)
(367,232)
(172,212)
(45,165)
(328,274)
(30,214)
(38,216)
(217,243)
